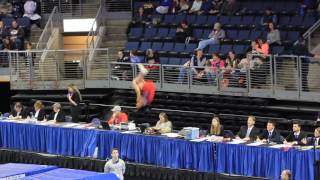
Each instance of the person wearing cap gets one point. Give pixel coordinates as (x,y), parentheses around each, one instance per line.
(57,114)
(118,116)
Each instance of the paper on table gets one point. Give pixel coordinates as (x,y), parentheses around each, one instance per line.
(130,132)
(199,140)
(237,141)
(70,125)
(255,144)
(278,146)
(173,135)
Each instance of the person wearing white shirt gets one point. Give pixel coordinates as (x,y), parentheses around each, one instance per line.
(249,132)
(115,165)
(271,134)
(57,114)
(313,140)
(38,112)
(196,6)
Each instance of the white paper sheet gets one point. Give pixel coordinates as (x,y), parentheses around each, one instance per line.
(172,135)
(255,144)
(236,141)
(199,140)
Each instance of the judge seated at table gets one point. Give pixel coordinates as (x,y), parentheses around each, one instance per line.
(117,116)
(249,132)
(18,112)
(271,134)
(162,126)
(38,112)
(296,135)
(310,141)
(57,114)
(216,128)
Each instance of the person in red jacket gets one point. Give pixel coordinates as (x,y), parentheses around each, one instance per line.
(117,116)
(145,89)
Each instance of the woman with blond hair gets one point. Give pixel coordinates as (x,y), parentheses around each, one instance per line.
(38,112)
(216,128)
(162,126)
(74,97)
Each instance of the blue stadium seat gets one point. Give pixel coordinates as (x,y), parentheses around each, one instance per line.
(135,33)
(243,35)
(190,48)
(174,61)
(224,20)
(156,46)
(191,19)
(235,20)
(184,60)
(131,46)
(197,33)
(167,46)
(24,22)
(292,36)
(214,48)
(201,20)
(239,49)
(164,60)
(224,49)
(308,21)
(179,18)
(277,49)
(7,21)
(150,33)
(179,47)
(232,34)
(206,33)
(172,33)
(247,20)
(257,20)
(211,20)
(144,46)
(284,20)
(254,35)
(168,19)
(283,35)
(162,33)
(296,20)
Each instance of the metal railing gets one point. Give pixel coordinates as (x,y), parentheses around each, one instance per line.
(54,22)
(68,9)
(308,34)
(94,30)
(118,5)
(282,77)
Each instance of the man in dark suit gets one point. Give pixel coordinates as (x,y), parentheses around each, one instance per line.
(296,135)
(249,132)
(271,134)
(57,114)
(18,112)
(313,140)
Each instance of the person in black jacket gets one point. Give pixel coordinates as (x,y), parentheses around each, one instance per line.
(18,112)
(249,132)
(38,112)
(57,114)
(312,140)
(296,135)
(74,98)
(216,128)
(271,134)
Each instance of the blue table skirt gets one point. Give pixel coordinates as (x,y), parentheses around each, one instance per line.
(53,140)
(263,161)
(162,151)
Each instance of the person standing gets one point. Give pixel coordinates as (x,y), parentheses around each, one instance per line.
(115,165)
(74,97)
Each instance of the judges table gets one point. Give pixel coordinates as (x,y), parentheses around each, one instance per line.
(163,151)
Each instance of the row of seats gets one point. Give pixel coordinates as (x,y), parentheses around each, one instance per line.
(187,49)
(234,36)
(243,21)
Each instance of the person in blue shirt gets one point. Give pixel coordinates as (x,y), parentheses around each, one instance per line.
(133,58)
(164,6)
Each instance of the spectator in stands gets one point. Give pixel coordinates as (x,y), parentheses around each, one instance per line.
(141,18)
(163,125)
(229,7)
(164,6)
(196,63)
(296,135)
(216,128)
(231,75)
(134,58)
(152,59)
(214,37)
(117,117)
(300,49)
(18,112)
(5,9)
(196,7)
(180,6)
(215,65)
(17,8)
(30,7)
(75,98)
(57,114)
(115,165)
(232,61)
(308,6)
(262,47)
(249,132)
(273,37)
(271,134)
(3,31)
(183,32)
(216,6)
(16,35)
(313,140)
(268,17)
(38,112)
(30,56)
(7,44)
(250,62)
(148,9)
(286,174)
(122,57)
